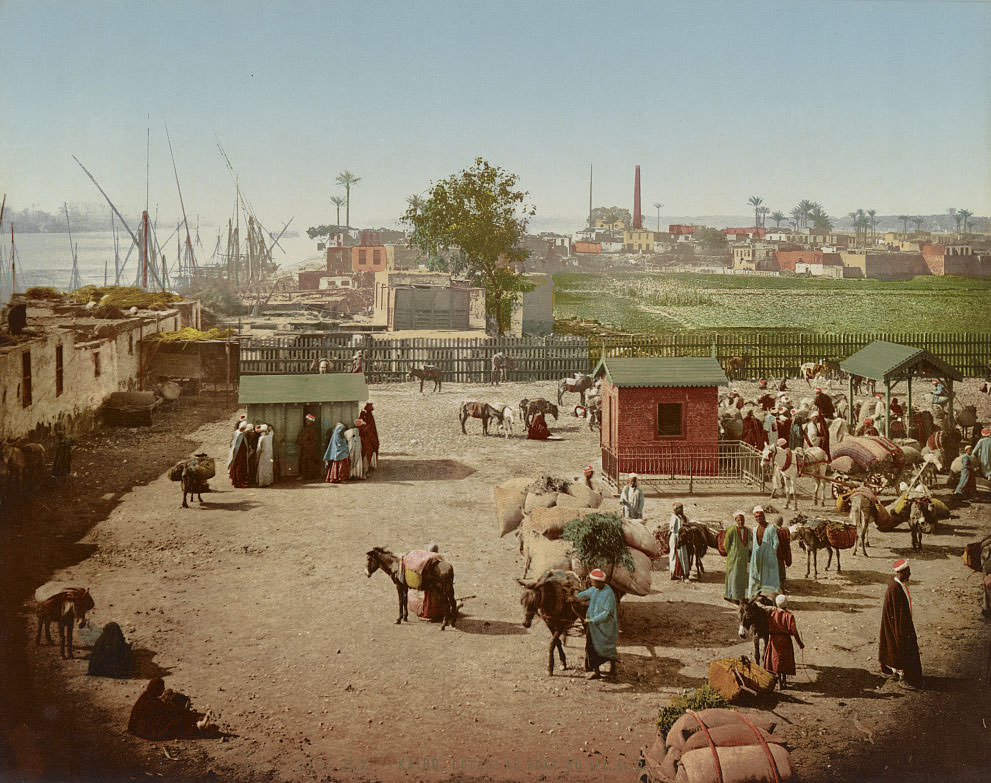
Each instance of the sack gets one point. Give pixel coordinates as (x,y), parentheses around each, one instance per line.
(205,467)
(547,555)
(636,535)
(637,581)
(972,556)
(586,496)
(568,501)
(508,498)
(737,678)
(747,764)
(550,522)
(175,472)
(686,726)
(534,500)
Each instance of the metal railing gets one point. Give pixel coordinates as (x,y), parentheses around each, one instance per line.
(731,461)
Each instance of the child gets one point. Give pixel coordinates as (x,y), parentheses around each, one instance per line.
(779,655)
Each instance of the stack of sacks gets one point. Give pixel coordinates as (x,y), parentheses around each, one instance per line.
(743,744)
(517,497)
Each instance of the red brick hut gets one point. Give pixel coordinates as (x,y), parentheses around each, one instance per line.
(660,417)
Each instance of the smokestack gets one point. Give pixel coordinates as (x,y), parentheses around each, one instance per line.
(637,217)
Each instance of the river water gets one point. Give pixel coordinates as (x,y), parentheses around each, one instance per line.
(46,259)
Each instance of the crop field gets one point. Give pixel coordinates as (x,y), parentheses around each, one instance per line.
(654,303)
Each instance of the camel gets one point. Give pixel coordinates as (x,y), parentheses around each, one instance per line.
(438,575)
(552,596)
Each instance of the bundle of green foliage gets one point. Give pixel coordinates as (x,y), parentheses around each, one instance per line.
(598,541)
(122,296)
(43,292)
(702,698)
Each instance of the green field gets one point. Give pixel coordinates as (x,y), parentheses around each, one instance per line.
(658,302)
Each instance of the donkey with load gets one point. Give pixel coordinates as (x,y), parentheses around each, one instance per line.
(419,570)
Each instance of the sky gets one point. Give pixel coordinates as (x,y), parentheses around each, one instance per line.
(859,104)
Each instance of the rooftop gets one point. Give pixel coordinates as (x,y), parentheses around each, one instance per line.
(328,387)
(883,361)
(662,372)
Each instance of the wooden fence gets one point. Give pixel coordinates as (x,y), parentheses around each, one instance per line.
(772,354)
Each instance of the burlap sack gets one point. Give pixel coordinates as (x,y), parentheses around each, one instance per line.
(508,498)
(686,725)
(636,582)
(586,497)
(546,555)
(569,501)
(535,500)
(550,522)
(637,536)
(747,764)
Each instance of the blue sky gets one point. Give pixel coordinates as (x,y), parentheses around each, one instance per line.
(883,105)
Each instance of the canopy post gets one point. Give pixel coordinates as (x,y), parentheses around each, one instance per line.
(908,409)
(887,407)
(949,404)
(850,415)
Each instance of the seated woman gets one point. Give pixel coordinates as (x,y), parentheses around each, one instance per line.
(167,714)
(538,428)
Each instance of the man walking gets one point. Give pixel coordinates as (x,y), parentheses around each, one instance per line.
(764,558)
(898,648)
(737,544)
(601,626)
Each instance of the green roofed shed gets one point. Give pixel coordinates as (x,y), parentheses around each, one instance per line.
(892,363)
(283,401)
(653,372)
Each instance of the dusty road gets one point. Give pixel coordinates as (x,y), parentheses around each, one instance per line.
(256,606)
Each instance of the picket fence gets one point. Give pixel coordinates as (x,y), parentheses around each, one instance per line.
(768,354)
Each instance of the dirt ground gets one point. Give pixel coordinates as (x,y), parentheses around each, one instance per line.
(255,604)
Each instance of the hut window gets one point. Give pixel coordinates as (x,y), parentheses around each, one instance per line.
(96,364)
(669,419)
(130,343)
(58,370)
(26,379)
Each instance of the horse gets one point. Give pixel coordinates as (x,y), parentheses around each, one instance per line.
(530,408)
(438,575)
(810,370)
(811,537)
(737,364)
(792,463)
(696,539)
(580,384)
(480,410)
(755,615)
(64,608)
(552,596)
(500,363)
(24,466)
(428,373)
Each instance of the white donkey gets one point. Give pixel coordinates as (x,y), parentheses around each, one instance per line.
(789,464)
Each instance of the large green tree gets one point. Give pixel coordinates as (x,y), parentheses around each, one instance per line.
(472,224)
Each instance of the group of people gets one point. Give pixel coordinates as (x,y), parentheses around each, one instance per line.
(251,459)
(974,461)
(352,453)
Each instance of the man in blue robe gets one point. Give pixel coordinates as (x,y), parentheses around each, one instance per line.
(764,576)
(982,452)
(601,626)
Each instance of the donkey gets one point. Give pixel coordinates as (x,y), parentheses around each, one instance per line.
(553,597)
(478,410)
(792,463)
(500,364)
(438,576)
(862,513)
(428,373)
(63,608)
(697,539)
(811,536)
(755,616)
(530,408)
(580,384)
(735,365)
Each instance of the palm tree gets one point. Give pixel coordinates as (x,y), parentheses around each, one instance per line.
(821,222)
(796,217)
(777,216)
(338,202)
(657,206)
(957,217)
(862,223)
(904,219)
(415,203)
(966,215)
(805,207)
(755,202)
(347,179)
(764,211)
(918,222)
(872,213)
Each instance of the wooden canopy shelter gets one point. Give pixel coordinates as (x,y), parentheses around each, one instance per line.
(282,401)
(891,363)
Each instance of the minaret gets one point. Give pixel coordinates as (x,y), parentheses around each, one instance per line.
(637,217)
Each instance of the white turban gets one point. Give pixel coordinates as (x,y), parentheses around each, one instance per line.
(758,510)
(781,601)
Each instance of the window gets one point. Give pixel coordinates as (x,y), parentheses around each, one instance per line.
(58,370)
(130,343)
(669,419)
(96,364)
(362,255)
(26,379)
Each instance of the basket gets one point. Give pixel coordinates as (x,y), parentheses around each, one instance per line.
(842,539)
